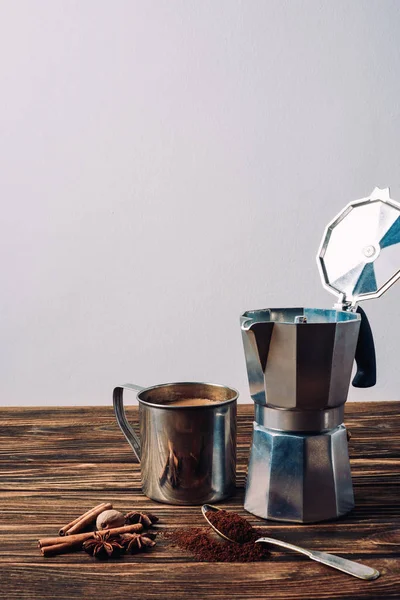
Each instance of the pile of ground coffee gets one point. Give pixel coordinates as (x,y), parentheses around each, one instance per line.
(199,542)
(206,548)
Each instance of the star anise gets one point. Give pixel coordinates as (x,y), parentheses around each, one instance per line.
(146,519)
(103,545)
(138,542)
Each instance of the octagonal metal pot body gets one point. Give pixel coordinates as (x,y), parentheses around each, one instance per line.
(299,358)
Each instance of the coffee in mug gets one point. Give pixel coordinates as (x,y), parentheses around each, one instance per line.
(190,402)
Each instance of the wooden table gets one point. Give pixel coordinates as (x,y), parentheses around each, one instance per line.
(58,462)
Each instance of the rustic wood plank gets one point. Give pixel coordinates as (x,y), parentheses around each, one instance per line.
(282,580)
(57,462)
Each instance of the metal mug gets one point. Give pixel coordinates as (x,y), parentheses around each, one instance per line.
(187,453)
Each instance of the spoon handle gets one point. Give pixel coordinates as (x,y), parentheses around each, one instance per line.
(347,566)
(285,545)
(342,564)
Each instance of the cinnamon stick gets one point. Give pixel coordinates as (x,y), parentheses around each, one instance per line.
(84,520)
(60,548)
(64,529)
(74,541)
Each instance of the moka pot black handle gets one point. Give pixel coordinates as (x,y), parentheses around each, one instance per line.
(365,355)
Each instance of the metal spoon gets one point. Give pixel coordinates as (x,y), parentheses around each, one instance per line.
(342,564)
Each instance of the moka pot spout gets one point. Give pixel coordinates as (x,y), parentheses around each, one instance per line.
(257,331)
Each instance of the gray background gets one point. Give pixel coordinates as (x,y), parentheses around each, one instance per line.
(166,165)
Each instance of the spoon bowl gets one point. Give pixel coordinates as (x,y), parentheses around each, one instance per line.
(209,508)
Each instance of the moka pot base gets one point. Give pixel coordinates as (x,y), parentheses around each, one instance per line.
(298,477)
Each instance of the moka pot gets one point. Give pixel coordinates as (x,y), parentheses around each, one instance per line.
(299,364)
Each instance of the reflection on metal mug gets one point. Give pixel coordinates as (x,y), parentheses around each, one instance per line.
(187,443)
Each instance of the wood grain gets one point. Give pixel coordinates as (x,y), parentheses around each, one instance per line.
(58,462)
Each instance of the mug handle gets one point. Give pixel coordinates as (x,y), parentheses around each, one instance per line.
(127,430)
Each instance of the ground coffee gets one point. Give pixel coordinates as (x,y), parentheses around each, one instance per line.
(232,525)
(206,548)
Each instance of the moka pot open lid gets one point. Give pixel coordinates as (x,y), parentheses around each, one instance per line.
(359,256)
(358,259)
